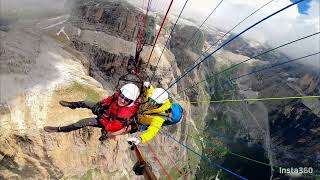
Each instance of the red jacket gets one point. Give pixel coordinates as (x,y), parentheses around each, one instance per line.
(115,116)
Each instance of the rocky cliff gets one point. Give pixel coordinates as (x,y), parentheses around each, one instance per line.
(119,19)
(74,57)
(283,130)
(81,55)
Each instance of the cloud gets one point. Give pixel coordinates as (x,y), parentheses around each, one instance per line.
(303,6)
(287,26)
(283,27)
(279,29)
(31,7)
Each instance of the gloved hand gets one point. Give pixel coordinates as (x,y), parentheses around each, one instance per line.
(104,135)
(141,112)
(134,140)
(146,84)
(97,109)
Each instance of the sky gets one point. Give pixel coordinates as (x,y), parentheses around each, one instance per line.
(303,7)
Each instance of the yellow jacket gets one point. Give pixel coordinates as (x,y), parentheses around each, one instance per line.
(153,122)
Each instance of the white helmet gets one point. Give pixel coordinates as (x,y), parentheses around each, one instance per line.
(130,91)
(159,95)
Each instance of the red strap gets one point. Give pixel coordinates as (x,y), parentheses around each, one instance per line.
(156,158)
(154,44)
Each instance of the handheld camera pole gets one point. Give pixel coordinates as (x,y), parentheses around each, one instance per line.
(141,167)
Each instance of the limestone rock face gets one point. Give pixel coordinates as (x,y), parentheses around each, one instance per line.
(45,62)
(39,74)
(81,55)
(309,83)
(29,152)
(119,19)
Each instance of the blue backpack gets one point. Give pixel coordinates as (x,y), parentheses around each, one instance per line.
(176,114)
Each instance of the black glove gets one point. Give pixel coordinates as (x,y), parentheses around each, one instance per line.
(104,135)
(98,109)
(142,111)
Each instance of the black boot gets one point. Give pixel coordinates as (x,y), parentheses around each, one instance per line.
(72,105)
(104,135)
(51,129)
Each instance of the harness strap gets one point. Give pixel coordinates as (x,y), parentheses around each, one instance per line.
(158,114)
